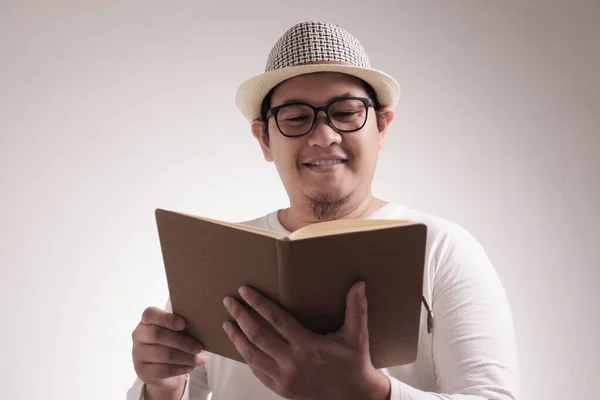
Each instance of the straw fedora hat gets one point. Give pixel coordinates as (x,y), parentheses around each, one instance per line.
(310,47)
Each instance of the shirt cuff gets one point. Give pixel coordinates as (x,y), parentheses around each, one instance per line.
(184,396)
(402,391)
(394,388)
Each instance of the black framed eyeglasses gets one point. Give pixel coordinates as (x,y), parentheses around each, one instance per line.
(346,114)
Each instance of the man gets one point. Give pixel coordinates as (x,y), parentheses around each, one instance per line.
(321,114)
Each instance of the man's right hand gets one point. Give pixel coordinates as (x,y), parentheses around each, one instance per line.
(163,355)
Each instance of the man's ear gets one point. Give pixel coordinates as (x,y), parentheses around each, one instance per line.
(259,131)
(386,118)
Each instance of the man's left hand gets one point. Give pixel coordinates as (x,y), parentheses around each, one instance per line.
(300,364)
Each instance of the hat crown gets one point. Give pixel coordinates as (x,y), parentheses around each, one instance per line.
(315,41)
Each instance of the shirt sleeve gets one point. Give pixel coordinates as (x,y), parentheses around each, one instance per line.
(474,346)
(196,387)
(136,390)
(196,383)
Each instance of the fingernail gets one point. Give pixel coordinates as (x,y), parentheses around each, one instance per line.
(227,302)
(199,359)
(246,294)
(179,324)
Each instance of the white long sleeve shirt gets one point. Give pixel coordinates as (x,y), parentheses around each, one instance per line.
(470,354)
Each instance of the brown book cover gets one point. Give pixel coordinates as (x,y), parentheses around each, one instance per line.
(308,273)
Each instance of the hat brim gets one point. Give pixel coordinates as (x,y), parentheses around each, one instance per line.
(252,92)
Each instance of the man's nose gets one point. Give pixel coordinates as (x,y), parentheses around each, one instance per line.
(323,134)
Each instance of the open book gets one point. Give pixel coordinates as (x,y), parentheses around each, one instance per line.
(308,273)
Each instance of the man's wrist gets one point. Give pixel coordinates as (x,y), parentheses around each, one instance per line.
(383,389)
(377,386)
(154,391)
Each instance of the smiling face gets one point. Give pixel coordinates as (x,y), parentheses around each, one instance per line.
(326,168)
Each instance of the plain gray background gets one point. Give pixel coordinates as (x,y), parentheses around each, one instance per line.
(109,109)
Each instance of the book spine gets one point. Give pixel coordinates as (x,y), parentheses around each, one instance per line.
(283,249)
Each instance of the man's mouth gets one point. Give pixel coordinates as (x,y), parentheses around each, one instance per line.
(321,163)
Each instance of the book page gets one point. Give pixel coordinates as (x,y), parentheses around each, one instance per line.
(344,226)
(246,228)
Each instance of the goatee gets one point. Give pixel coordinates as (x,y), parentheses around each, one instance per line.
(325,207)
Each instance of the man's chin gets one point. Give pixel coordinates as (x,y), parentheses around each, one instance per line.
(326,205)
(326,193)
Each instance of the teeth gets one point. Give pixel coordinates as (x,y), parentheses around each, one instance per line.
(324,162)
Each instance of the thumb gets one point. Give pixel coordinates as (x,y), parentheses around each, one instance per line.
(355,328)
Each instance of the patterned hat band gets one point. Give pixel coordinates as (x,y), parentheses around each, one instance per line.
(310,47)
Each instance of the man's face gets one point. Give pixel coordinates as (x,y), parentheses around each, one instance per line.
(350,158)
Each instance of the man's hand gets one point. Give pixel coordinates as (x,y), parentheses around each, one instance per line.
(162,355)
(300,364)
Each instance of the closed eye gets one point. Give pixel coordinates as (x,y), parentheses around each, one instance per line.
(345,114)
(298,118)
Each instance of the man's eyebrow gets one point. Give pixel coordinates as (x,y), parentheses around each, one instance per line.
(329,100)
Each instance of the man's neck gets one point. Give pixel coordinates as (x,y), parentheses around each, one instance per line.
(301,215)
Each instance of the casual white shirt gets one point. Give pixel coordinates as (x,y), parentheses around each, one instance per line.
(470,354)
